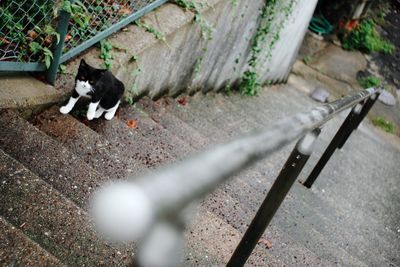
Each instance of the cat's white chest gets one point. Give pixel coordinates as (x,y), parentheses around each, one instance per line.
(83,88)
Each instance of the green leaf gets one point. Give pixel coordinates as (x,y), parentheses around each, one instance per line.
(66,6)
(35,47)
(49,30)
(47,52)
(62,68)
(47,61)
(57,35)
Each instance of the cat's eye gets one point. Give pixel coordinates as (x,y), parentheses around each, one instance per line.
(82,78)
(91,82)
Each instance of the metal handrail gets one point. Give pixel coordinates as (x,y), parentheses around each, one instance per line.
(153,207)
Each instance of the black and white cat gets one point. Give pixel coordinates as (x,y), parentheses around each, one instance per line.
(104,89)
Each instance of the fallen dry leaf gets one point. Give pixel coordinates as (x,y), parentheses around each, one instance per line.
(265,242)
(67,37)
(182,101)
(4,40)
(48,40)
(124,11)
(132,124)
(32,34)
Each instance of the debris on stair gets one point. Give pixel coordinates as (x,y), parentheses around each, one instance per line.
(132,124)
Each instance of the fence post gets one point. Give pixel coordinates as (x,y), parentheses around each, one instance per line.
(274,198)
(62,29)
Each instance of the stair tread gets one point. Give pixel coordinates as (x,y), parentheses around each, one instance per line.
(220,104)
(173,144)
(236,107)
(132,143)
(208,229)
(16,249)
(156,109)
(51,220)
(214,103)
(67,172)
(94,149)
(170,122)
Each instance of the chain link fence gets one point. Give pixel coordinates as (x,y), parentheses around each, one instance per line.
(26,30)
(91,17)
(30,29)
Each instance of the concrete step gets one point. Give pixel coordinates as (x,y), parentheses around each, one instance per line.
(244,107)
(47,158)
(106,158)
(15,93)
(237,110)
(16,249)
(227,212)
(127,150)
(197,252)
(211,242)
(218,105)
(51,220)
(174,145)
(159,114)
(132,143)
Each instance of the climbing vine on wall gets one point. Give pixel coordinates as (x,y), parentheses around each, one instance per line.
(272,20)
(206,28)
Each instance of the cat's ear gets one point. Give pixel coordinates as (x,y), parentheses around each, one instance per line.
(83,63)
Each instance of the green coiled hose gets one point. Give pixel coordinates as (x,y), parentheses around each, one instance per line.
(320,25)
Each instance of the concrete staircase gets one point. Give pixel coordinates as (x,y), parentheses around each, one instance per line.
(50,165)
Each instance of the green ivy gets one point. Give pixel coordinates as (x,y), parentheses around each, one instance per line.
(206,28)
(250,83)
(157,34)
(369,81)
(105,53)
(133,92)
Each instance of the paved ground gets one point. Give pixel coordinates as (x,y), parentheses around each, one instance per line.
(50,165)
(330,67)
(350,218)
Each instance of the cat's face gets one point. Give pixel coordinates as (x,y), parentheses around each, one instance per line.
(87,75)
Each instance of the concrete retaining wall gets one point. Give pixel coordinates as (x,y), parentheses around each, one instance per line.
(186,62)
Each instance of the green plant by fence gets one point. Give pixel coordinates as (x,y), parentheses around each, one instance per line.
(41,34)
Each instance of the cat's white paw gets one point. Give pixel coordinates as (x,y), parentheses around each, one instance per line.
(90,116)
(98,113)
(109,116)
(65,110)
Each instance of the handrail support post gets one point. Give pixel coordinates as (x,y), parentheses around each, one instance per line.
(351,123)
(360,117)
(274,198)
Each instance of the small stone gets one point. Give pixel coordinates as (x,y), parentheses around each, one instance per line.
(387,98)
(320,95)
